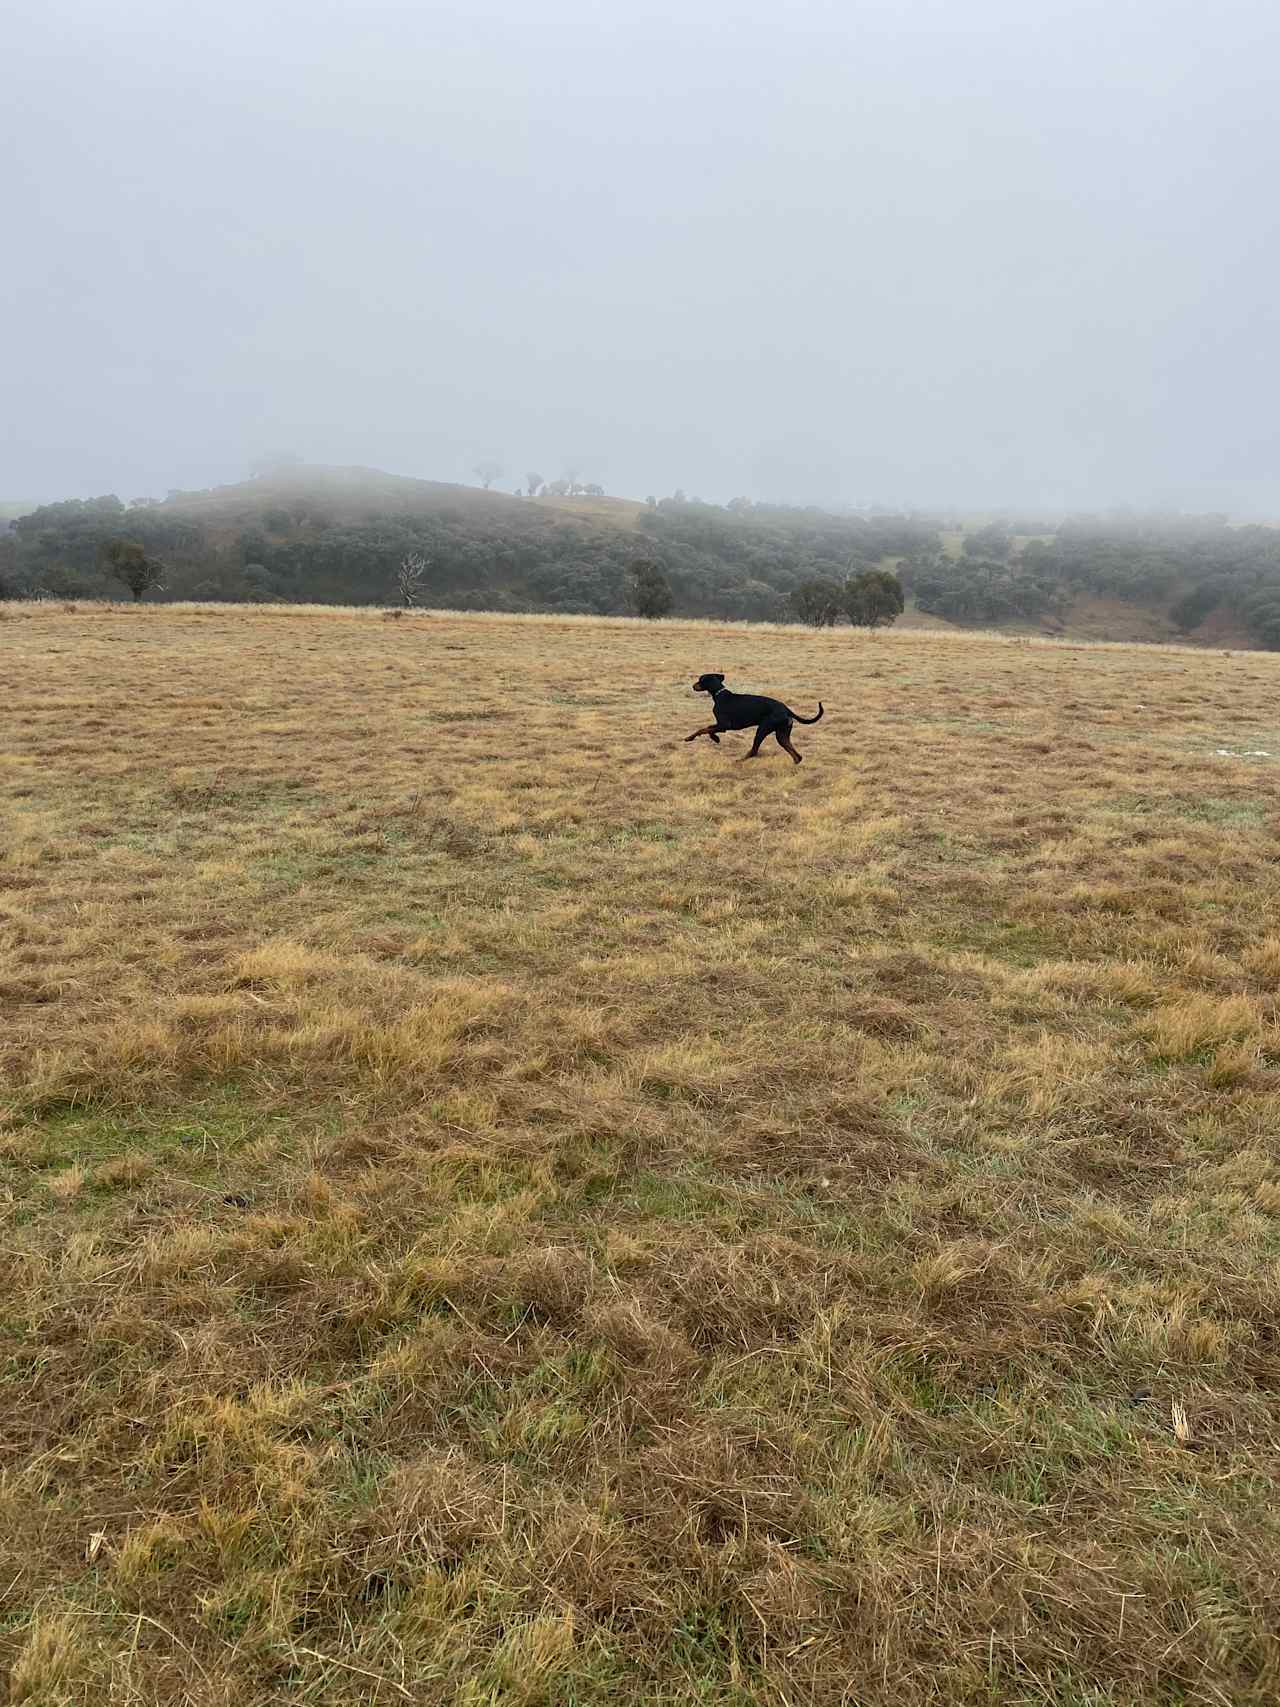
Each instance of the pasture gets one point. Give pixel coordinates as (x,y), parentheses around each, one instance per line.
(498,1206)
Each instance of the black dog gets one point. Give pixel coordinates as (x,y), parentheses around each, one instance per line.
(741,710)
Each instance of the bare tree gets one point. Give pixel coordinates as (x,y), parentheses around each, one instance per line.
(409,578)
(535,484)
(487,471)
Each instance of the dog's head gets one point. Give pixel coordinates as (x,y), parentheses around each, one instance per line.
(708,684)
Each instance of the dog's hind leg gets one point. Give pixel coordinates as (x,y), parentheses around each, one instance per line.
(784,741)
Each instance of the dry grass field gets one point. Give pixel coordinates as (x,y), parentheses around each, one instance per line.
(500,1207)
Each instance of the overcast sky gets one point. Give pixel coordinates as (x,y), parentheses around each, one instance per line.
(963,252)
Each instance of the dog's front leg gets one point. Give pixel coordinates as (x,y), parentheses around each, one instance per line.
(709,730)
(761,732)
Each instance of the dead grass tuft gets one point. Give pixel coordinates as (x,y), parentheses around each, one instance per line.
(1195,1023)
(52,1661)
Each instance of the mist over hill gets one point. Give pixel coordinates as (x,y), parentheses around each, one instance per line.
(339,535)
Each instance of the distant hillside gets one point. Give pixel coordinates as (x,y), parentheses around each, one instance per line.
(609,512)
(338,535)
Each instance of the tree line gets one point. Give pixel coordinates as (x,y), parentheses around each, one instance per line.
(743,560)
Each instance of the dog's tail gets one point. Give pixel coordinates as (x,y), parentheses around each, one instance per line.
(816,719)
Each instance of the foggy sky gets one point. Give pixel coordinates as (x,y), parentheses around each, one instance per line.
(952,252)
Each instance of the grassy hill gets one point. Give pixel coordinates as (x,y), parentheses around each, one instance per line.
(502,1206)
(338,535)
(615,512)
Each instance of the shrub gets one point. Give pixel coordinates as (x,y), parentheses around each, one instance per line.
(1192,608)
(649,590)
(818,602)
(873,599)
